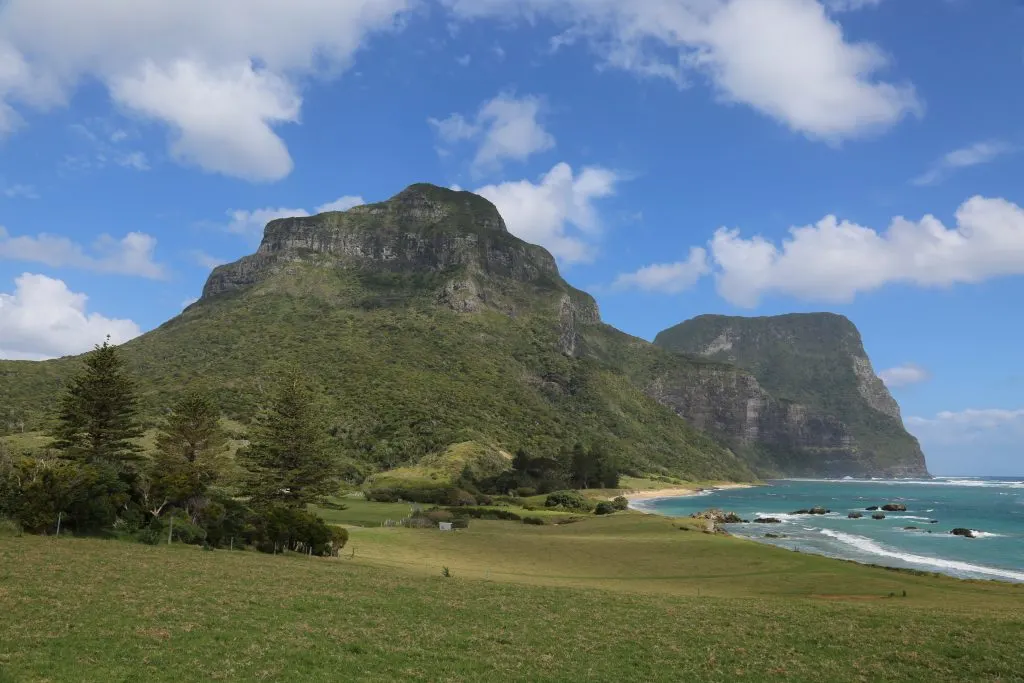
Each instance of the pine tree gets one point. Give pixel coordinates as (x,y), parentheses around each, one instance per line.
(191,455)
(97,421)
(288,459)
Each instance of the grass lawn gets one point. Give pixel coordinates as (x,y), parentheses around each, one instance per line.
(626,597)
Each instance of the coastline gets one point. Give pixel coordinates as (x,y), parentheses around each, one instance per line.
(678,492)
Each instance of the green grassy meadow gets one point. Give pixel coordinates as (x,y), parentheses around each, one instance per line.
(623,597)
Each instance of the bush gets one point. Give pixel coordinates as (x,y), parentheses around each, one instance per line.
(437,516)
(9,527)
(276,528)
(539,521)
(620,503)
(570,500)
(339,538)
(460,523)
(526,491)
(484,500)
(484,513)
(604,508)
(460,497)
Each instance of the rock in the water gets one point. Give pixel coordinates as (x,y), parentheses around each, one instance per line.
(878,515)
(818,510)
(872,508)
(855,515)
(718,516)
(767,520)
(894,507)
(933,521)
(910,528)
(775,535)
(966,533)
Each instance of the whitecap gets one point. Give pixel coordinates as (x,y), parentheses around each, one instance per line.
(866,545)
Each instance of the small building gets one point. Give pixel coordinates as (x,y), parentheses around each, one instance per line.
(444,526)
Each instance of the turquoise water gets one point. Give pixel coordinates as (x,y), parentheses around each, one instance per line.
(992,507)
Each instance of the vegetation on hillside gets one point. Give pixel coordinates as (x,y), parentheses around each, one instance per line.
(805,359)
(402,377)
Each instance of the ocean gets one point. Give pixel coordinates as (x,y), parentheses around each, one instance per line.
(992,507)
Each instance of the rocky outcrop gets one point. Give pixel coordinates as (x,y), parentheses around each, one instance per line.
(422,229)
(811,402)
(966,533)
(895,507)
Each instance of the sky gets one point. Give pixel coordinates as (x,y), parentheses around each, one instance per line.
(678,157)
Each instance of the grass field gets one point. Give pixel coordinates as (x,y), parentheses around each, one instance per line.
(627,597)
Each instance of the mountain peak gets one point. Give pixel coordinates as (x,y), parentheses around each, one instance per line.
(422,229)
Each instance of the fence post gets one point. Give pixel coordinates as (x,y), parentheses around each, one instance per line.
(170,530)
(59,515)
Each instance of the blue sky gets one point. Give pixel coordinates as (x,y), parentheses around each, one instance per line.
(679,157)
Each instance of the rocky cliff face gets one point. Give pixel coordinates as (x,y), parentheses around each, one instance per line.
(814,403)
(423,228)
(427,323)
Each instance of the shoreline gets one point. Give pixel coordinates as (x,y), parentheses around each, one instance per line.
(678,492)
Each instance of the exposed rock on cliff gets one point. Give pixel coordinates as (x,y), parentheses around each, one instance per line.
(827,412)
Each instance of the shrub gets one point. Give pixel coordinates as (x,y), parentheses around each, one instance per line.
(9,527)
(604,508)
(460,497)
(439,516)
(484,513)
(620,503)
(339,538)
(484,499)
(526,491)
(570,500)
(534,520)
(460,523)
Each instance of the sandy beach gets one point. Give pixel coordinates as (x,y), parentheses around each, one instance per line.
(680,491)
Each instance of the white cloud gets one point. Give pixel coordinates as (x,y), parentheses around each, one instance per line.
(558,212)
(974,441)
(44,319)
(835,260)
(904,375)
(506,128)
(204,260)
(130,255)
(19,190)
(670,278)
(974,155)
(220,74)
(105,148)
(785,58)
(972,419)
(341,204)
(251,223)
(850,5)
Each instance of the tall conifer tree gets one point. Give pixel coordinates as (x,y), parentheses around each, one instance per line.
(97,420)
(288,458)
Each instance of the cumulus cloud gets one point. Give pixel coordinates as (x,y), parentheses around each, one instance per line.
(904,375)
(788,59)
(670,278)
(221,75)
(505,128)
(833,261)
(251,222)
(44,319)
(130,255)
(973,419)
(965,157)
(558,212)
(204,260)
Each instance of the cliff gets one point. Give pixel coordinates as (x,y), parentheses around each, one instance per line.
(817,407)
(427,324)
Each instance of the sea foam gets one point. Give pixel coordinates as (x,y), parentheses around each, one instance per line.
(868,546)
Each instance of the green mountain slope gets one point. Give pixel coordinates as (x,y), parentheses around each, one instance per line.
(427,324)
(816,361)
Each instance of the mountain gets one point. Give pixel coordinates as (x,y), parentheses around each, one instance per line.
(815,368)
(442,341)
(427,325)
